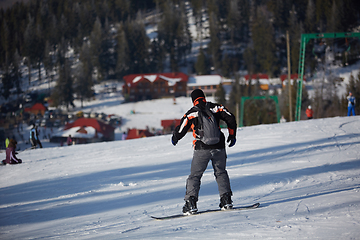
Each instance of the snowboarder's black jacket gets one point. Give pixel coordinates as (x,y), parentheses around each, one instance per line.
(190,120)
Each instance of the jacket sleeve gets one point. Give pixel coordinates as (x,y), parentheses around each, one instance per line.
(186,122)
(229,118)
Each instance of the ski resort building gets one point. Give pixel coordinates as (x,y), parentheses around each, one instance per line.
(207,83)
(86,130)
(37,108)
(151,86)
(293,77)
(169,125)
(262,79)
(138,133)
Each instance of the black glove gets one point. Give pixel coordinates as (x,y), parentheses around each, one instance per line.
(174,140)
(232,140)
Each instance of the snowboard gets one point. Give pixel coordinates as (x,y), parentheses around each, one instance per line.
(256,205)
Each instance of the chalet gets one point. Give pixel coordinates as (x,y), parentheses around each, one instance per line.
(86,130)
(138,133)
(207,83)
(151,86)
(169,125)
(37,108)
(284,79)
(262,78)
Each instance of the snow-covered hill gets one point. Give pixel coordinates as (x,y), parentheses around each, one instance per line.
(306,175)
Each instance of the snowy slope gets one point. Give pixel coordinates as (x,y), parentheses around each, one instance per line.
(306,175)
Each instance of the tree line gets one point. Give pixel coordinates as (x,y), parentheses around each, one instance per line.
(109,38)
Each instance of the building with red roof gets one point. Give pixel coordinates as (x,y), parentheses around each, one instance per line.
(284,78)
(154,85)
(262,78)
(36,109)
(106,130)
(169,125)
(138,133)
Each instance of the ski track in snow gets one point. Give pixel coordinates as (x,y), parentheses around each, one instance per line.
(306,175)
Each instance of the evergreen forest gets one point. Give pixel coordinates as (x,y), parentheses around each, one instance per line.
(109,40)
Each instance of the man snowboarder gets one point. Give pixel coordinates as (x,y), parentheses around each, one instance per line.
(351,104)
(203,153)
(34,138)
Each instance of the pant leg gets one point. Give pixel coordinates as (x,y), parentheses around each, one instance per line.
(38,141)
(219,165)
(199,164)
(349,111)
(33,142)
(353,111)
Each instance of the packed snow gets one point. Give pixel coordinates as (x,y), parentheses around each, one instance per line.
(305,175)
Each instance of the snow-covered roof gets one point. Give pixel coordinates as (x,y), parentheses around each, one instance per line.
(204,80)
(76,132)
(171,78)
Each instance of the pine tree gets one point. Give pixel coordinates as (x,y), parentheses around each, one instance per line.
(310,26)
(235,96)
(30,42)
(334,18)
(122,10)
(202,65)
(295,31)
(123,58)
(264,42)
(249,57)
(63,93)
(49,61)
(40,47)
(95,47)
(83,82)
(173,32)
(197,7)
(227,66)
(215,43)
(234,22)
(6,80)
(220,94)
(138,44)
(16,72)
(107,57)
(4,32)
(157,56)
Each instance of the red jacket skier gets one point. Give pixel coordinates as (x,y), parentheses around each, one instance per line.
(309,112)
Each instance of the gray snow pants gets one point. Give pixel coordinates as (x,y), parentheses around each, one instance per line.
(199,164)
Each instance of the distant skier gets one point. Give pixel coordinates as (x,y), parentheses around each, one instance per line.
(69,140)
(309,112)
(351,104)
(11,154)
(282,119)
(203,153)
(34,137)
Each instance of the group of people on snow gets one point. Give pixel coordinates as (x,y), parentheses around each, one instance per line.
(212,149)
(351,107)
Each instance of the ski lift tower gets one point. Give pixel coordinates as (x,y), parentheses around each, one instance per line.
(305,38)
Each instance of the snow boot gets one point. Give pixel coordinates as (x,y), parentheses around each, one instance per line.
(226,202)
(190,206)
